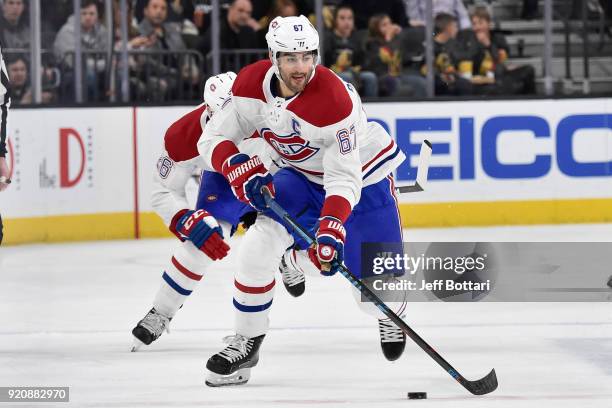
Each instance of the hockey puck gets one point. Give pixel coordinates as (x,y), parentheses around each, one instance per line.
(417,395)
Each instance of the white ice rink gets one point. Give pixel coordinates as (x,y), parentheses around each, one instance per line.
(66,312)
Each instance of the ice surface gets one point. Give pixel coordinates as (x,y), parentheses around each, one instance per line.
(66,312)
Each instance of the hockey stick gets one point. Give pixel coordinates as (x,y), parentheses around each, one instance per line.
(485,385)
(423,168)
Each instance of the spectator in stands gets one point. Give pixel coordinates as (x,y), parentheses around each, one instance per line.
(21,92)
(488,52)
(237,29)
(364,9)
(163,73)
(17,69)
(384,57)
(178,10)
(14,27)
(94,37)
(447,56)
(166,34)
(416,11)
(344,52)
(181,12)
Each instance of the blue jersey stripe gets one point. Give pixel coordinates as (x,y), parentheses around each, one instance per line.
(175,285)
(251,309)
(373,169)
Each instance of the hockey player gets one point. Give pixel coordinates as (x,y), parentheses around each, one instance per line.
(336,179)
(201,232)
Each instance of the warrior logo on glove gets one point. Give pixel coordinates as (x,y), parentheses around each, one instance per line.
(247,175)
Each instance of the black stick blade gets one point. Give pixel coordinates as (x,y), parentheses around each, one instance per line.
(483,386)
(410,189)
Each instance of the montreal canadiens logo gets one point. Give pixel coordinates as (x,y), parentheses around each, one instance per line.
(292,147)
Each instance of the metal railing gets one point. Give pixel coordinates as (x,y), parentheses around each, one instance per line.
(153,75)
(588,47)
(234,60)
(122,75)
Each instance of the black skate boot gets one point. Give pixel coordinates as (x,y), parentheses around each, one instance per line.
(293,278)
(150,328)
(232,365)
(392,339)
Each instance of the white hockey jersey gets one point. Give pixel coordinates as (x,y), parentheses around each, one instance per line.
(322,132)
(180,160)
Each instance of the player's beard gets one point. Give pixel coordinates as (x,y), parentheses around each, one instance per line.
(296,81)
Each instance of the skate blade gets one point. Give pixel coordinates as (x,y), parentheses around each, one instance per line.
(136,345)
(238,378)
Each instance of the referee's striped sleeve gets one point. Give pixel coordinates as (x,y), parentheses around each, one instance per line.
(5,103)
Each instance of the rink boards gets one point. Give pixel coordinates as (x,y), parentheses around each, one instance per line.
(85,173)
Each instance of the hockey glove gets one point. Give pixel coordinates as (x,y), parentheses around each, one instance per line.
(202,230)
(328,253)
(247,175)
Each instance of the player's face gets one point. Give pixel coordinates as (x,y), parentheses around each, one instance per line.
(295,69)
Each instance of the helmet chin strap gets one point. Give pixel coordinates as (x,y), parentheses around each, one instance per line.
(209,112)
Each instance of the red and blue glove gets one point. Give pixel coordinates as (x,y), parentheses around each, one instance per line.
(202,230)
(328,253)
(247,175)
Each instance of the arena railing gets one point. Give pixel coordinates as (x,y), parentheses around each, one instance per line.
(154,75)
(235,59)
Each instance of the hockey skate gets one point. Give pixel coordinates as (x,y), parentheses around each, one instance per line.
(232,365)
(392,339)
(149,329)
(293,278)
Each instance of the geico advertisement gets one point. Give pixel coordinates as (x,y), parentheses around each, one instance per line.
(69,161)
(485,151)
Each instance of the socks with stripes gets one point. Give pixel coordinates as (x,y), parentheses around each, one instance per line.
(180,278)
(252,307)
